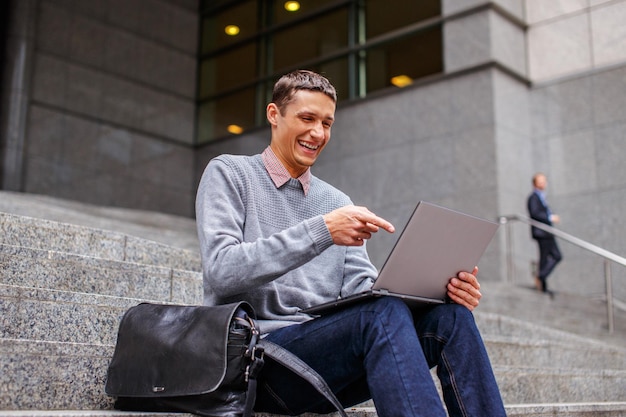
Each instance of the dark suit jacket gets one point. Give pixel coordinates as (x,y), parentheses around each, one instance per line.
(539,212)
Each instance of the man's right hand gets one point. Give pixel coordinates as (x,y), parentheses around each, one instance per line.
(351,225)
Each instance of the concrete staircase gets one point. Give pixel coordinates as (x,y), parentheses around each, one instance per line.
(64,287)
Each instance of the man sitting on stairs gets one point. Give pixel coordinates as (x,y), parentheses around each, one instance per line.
(278,237)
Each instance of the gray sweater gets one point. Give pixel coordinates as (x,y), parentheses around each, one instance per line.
(270,246)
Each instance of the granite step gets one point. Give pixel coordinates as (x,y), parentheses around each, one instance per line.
(40,374)
(532,385)
(513,327)
(89,321)
(602,409)
(48,374)
(63,271)
(61,315)
(35,233)
(516,342)
(44,375)
(63,289)
(173,230)
(544,353)
(585,409)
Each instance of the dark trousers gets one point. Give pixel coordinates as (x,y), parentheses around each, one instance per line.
(549,257)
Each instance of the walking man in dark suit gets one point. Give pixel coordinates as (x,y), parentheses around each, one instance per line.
(549,253)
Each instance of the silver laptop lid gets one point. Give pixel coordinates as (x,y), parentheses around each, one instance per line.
(435,245)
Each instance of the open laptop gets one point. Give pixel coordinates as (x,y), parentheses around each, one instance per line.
(435,245)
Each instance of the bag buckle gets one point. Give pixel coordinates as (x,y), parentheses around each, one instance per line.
(256,363)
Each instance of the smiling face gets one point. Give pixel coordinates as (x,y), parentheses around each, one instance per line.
(301,130)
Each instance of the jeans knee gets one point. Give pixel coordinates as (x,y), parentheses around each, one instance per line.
(459,315)
(446,320)
(391,305)
(389,310)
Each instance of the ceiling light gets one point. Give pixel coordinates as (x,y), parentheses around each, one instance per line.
(235,129)
(292,6)
(401,80)
(232,30)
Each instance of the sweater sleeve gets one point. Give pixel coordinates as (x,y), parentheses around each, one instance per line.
(359,273)
(231,265)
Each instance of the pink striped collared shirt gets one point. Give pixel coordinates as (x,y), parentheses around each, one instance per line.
(279,173)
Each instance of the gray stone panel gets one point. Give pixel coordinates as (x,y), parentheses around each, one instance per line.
(49,81)
(608,96)
(111,99)
(472,101)
(508,43)
(428,110)
(515,170)
(608,34)
(467,41)
(87,41)
(609,154)
(539,10)
(84,90)
(572,158)
(511,104)
(514,7)
(54,25)
(454,6)
(75,156)
(611,209)
(560,47)
(564,106)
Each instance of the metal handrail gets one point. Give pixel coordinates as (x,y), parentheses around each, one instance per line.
(608,256)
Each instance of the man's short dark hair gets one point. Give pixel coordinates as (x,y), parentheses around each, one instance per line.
(288,84)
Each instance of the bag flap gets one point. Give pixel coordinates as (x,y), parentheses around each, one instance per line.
(170,350)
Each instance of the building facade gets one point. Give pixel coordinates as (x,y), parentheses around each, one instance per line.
(100,102)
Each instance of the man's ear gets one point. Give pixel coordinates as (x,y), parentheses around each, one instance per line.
(271,113)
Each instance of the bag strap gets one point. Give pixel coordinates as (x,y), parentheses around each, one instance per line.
(300,368)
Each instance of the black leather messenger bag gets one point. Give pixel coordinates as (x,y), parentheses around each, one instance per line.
(197,359)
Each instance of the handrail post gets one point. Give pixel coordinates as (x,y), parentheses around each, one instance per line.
(509,249)
(609,294)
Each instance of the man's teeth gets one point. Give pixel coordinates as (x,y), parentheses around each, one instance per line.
(306,145)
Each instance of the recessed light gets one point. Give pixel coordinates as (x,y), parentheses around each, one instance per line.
(401,80)
(232,30)
(292,6)
(235,129)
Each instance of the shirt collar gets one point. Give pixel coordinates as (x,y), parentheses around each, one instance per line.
(279,174)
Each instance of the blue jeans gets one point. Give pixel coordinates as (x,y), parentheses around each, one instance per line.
(382,350)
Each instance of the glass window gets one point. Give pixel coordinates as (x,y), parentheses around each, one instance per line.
(229,26)
(229,115)
(287,10)
(337,72)
(212,4)
(411,58)
(227,70)
(341,39)
(310,39)
(382,16)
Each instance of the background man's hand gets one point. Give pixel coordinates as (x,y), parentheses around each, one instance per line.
(464,289)
(351,225)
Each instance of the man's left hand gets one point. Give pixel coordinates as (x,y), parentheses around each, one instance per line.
(464,289)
